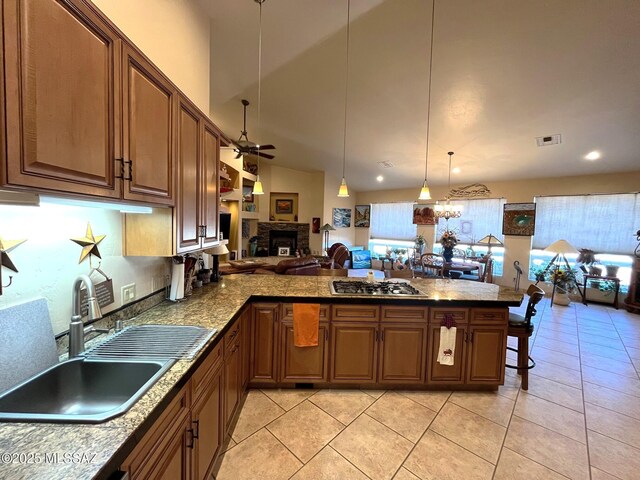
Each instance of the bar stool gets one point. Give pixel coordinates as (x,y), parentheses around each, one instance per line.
(522,328)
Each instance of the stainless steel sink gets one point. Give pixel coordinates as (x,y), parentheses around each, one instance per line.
(81,390)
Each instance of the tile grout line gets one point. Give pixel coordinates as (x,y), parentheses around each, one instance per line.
(625,347)
(502,447)
(586,427)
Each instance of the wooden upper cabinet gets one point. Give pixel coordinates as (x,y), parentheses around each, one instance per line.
(62,69)
(188,201)
(210,182)
(149,102)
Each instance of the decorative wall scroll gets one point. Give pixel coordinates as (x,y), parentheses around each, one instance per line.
(475,190)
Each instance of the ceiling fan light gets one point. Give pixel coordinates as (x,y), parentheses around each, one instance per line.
(425,193)
(343,191)
(257,187)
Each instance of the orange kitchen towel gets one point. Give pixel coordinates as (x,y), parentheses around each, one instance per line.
(306,319)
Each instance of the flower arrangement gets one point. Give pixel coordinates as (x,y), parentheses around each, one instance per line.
(564,279)
(448,239)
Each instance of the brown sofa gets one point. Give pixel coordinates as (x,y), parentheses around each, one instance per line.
(292,266)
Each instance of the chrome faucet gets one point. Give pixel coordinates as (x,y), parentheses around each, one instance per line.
(76,327)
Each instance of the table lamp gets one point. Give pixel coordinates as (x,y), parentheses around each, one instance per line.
(490,240)
(215,252)
(325,229)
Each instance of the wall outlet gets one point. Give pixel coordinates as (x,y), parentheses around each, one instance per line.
(127,293)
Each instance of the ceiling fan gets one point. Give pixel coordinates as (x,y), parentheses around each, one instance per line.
(244,146)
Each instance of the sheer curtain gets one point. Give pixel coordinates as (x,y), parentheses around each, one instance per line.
(604,223)
(392,221)
(480,217)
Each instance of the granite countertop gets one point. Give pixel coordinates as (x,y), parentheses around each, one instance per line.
(71,451)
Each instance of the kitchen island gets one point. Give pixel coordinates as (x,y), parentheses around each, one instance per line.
(201,397)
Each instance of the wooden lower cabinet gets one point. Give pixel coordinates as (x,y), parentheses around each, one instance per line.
(175,462)
(486,354)
(354,352)
(232,380)
(446,374)
(264,347)
(207,427)
(402,353)
(304,364)
(245,319)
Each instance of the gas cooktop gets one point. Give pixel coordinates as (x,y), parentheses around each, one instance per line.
(341,287)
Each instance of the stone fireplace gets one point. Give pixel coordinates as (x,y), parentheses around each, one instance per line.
(283,234)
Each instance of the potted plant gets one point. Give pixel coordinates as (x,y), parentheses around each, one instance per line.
(565,282)
(448,240)
(612,270)
(587,257)
(537,273)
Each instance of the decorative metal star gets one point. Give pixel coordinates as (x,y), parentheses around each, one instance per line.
(89,244)
(5,247)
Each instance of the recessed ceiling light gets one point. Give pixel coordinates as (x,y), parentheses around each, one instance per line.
(455,170)
(595,155)
(379,178)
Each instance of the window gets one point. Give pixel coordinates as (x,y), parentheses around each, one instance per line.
(603,223)
(391,227)
(480,218)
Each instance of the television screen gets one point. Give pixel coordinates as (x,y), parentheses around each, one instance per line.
(225,225)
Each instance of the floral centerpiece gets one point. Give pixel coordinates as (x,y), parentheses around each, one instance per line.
(564,279)
(448,240)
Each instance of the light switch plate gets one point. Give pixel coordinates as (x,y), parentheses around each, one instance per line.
(128,293)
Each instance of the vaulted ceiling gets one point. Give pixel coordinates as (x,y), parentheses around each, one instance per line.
(504,73)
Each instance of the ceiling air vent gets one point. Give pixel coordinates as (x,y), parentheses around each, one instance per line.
(385,164)
(549,140)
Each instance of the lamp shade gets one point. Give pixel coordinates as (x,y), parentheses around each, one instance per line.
(343,191)
(326,228)
(490,240)
(561,246)
(218,250)
(425,193)
(257,187)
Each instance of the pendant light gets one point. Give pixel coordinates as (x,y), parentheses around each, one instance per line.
(257,186)
(448,210)
(425,193)
(344,191)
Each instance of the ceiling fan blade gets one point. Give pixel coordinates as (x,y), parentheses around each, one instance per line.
(238,155)
(267,147)
(263,155)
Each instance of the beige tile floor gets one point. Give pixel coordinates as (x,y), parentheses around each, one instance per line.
(580,418)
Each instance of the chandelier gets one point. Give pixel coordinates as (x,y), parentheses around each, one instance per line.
(447,210)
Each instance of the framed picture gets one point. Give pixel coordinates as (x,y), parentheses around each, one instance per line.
(362,216)
(284,206)
(247,193)
(233,254)
(519,219)
(341,217)
(244,253)
(424,215)
(283,251)
(315,225)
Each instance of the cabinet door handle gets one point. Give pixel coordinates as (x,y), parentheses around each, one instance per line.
(130,162)
(196,430)
(121,160)
(471,337)
(377,336)
(466,337)
(382,336)
(190,433)
(326,335)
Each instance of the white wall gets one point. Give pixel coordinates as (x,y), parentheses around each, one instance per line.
(174,34)
(517,191)
(47,262)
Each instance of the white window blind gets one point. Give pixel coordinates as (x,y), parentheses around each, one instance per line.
(392,221)
(480,217)
(604,223)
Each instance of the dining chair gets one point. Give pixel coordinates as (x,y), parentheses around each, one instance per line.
(432,265)
(521,327)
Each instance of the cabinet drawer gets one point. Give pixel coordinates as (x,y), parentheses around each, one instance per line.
(355,313)
(487,316)
(200,378)
(460,315)
(287,312)
(231,336)
(404,314)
